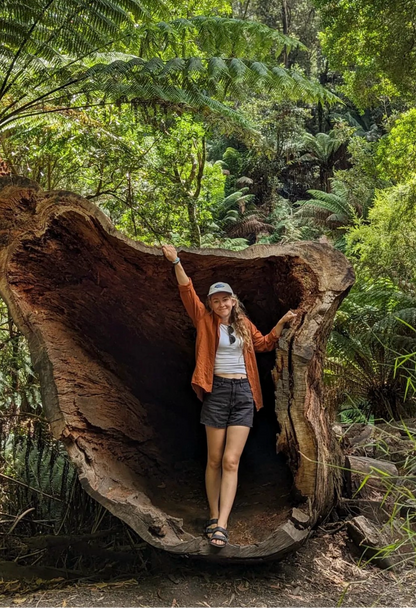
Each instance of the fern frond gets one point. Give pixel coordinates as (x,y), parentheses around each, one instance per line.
(54,55)
(250,225)
(329,202)
(320,146)
(217,36)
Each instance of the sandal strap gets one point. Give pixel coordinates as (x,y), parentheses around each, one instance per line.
(222,531)
(209,524)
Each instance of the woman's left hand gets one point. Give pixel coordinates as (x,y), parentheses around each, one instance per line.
(287,318)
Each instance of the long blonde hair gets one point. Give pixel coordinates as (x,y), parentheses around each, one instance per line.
(238,320)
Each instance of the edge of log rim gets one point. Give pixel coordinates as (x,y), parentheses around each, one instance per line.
(306,438)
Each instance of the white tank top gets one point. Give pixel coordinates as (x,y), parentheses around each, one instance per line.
(229,358)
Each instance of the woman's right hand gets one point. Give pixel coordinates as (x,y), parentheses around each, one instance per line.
(171,255)
(169,252)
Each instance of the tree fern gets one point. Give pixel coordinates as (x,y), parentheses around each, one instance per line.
(338,211)
(321,146)
(56,54)
(216,36)
(367,338)
(333,210)
(322,150)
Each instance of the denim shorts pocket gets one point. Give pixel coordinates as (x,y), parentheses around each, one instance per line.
(246,388)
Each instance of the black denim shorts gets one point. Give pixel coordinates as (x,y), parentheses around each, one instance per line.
(229,404)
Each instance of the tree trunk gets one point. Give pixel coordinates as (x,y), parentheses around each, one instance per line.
(114,351)
(285,28)
(194,231)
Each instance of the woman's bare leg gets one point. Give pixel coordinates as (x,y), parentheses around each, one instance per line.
(235,442)
(216,444)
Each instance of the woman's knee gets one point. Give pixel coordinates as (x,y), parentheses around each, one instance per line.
(214,461)
(230,462)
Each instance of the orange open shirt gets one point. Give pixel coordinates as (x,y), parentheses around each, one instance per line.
(207,325)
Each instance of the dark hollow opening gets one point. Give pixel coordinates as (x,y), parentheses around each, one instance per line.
(122,305)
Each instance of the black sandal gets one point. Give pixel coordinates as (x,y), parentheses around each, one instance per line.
(220,534)
(209,527)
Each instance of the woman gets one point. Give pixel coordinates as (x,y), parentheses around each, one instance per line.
(226,379)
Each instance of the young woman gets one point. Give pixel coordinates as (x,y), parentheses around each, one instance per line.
(226,379)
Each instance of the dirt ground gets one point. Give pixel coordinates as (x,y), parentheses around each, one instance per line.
(262,502)
(322,573)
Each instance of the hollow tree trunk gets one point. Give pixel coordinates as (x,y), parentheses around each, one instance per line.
(114,351)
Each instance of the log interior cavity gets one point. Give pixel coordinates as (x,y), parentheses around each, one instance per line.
(122,309)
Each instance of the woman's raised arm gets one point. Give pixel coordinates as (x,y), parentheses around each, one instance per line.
(193,305)
(171,255)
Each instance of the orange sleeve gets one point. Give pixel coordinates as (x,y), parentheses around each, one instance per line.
(263,343)
(193,305)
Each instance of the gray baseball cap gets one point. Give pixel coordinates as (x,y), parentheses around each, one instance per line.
(219,287)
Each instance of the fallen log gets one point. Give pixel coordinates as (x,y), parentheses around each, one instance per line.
(363,474)
(114,351)
(373,543)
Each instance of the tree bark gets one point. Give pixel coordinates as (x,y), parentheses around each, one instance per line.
(114,351)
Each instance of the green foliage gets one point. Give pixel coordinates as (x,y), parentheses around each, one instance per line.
(172,192)
(362,177)
(233,161)
(149,178)
(30,456)
(295,18)
(236,202)
(88,152)
(366,124)
(396,152)
(217,37)
(329,210)
(368,336)
(159,70)
(266,163)
(19,388)
(323,150)
(286,227)
(385,245)
(217,242)
(334,211)
(236,220)
(73,55)
(321,147)
(373,44)
(405,365)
